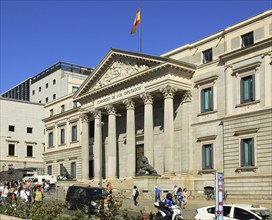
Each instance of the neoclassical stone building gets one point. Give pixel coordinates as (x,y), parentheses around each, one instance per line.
(195,110)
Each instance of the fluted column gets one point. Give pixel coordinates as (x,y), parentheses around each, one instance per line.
(148,127)
(130,142)
(85,151)
(97,144)
(168,93)
(186,134)
(111,162)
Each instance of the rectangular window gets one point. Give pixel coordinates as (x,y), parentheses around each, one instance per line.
(247,39)
(248,89)
(46,99)
(61,169)
(74,133)
(54,96)
(207,156)
(11,149)
(50,139)
(49,170)
(51,112)
(33,92)
(247,152)
(11,128)
(73,170)
(29,151)
(207,56)
(29,130)
(54,81)
(207,99)
(40,89)
(62,108)
(62,136)
(46,85)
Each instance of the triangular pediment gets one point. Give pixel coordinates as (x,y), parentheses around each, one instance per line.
(116,66)
(119,70)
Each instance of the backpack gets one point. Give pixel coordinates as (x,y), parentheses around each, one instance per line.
(137,193)
(179,196)
(29,199)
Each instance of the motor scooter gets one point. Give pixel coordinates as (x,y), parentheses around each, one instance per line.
(174,209)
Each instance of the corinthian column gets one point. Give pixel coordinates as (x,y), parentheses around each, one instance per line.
(97,145)
(111,162)
(148,127)
(168,93)
(85,147)
(130,142)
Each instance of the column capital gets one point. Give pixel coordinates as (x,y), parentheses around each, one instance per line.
(187,96)
(85,117)
(129,103)
(168,91)
(147,98)
(110,109)
(97,114)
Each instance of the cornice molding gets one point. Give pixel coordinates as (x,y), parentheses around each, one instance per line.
(206,80)
(206,138)
(246,50)
(246,131)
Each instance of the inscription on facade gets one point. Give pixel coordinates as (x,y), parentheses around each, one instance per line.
(122,94)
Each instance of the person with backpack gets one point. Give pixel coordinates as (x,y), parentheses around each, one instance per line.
(179,197)
(135,195)
(25,194)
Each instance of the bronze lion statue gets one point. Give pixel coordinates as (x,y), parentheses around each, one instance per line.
(146,168)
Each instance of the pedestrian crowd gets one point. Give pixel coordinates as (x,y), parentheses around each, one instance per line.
(180,196)
(25,190)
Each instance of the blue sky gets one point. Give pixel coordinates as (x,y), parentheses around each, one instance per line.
(36,34)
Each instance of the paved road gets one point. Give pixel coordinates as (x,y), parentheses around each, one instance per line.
(147,206)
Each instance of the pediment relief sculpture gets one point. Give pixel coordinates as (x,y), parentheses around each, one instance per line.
(118,70)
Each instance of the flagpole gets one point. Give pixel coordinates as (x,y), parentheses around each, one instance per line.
(141,32)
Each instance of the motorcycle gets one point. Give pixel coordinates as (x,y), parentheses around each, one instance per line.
(174,209)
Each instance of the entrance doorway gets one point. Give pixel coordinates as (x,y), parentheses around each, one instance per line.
(139,155)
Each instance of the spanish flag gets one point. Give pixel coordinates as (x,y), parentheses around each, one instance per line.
(136,21)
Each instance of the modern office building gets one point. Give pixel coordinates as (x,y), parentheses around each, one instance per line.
(54,82)
(21,136)
(198,109)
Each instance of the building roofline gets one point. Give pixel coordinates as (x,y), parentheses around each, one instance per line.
(28,79)
(64,66)
(217,34)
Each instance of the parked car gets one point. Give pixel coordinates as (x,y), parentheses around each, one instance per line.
(38,179)
(85,198)
(234,212)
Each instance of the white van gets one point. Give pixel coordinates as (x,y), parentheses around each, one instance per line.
(40,178)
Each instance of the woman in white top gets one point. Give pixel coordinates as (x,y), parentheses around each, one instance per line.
(4,193)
